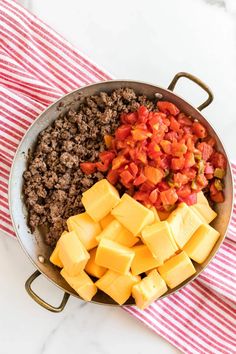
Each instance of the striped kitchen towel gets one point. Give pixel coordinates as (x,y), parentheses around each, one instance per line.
(37,66)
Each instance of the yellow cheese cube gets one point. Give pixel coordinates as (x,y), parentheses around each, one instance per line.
(106,220)
(117,286)
(81,283)
(54,258)
(156,216)
(183,222)
(114,256)
(143,260)
(100,199)
(118,233)
(201,243)
(159,239)
(203,209)
(85,228)
(132,215)
(72,253)
(148,289)
(177,269)
(92,268)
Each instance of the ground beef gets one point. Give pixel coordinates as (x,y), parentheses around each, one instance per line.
(53,181)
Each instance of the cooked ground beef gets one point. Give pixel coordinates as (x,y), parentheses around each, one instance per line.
(53,181)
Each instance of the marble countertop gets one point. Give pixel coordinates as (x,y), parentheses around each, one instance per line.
(149,41)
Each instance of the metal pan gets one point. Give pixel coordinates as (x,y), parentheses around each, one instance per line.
(33,244)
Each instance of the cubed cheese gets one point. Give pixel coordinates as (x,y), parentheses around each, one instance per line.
(203,209)
(100,199)
(201,243)
(148,289)
(54,258)
(143,260)
(81,283)
(183,222)
(159,239)
(118,233)
(117,286)
(72,253)
(156,216)
(85,228)
(177,269)
(106,220)
(114,256)
(92,268)
(132,215)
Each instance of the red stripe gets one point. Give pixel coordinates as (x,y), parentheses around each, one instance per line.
(221,258)
(11,128)
(10,143)
(7,221)
(5,205)
(58,42)
(225,273)
(5,214)
(23,108)
(6,155)
(12,37)
(213,281)
(23,126)
(6,162)
(230,250)
(5,200)
(48,51)
(3,183)
(4,190)
(9,65)
(9,231)
(10,133)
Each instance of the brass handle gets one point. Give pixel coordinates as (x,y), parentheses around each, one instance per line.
(198,82)
(40,301)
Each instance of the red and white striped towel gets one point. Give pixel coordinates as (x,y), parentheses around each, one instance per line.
(37,66)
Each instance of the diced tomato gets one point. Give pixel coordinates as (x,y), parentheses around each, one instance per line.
(126,176)
(140,134)
(211,141)
(141,196)
(218,197)
(169,197)
(113,176)
(178,149)
(172,136)
(184,120)
(141,156)
(118,161)
(163,186)
(122,132)
(129,118)
(133,169)
(190,144)
(108,140)
(206,150)
(178,163)
(174,124)
(167,107)
(163,162)
(199,130)
(147,186)
(209,169)
(191,199)
(153,196)
(218,160)
(88,167)
(140,179)
(143,114)
(184,191)
(201,180)
(107,156)
(103,167)
(189,172)
(166,146)
(189,160)
(213,189)
(180,179)
(154,175)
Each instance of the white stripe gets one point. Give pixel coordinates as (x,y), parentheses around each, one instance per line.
(10,137)
(14,125)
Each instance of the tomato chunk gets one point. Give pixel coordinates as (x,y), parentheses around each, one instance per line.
(113,176)
(123,132)
(168,108)
(154,175)
(218,160)
(143,114)
(169,197)
(178,163)
(88,167)
(206,150)
(199,130)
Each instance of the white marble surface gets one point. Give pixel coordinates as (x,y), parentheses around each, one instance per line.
(148,41)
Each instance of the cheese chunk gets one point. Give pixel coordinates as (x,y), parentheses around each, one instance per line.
(92,268)
(114,256)
(72,253)
(81,283)
(148,289)
(117,286)
(156,216)
(159,239)
(118,233)
(201,243)
(203,209)
(132,215)
(143,260)
(183,222)
(106,221)
(176,270)
(100,199)
(85,228)
(54,258)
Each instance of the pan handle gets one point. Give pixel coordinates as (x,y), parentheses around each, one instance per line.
(40,301)
(198,82)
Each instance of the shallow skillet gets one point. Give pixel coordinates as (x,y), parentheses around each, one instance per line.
(33,244)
